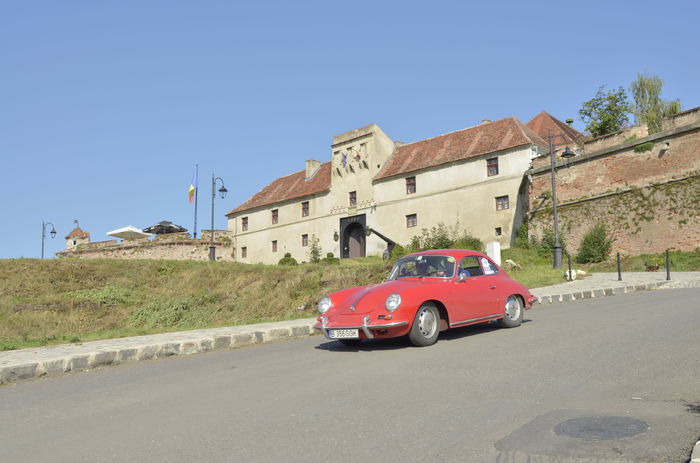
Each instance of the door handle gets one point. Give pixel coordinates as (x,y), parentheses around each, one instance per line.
(492,287)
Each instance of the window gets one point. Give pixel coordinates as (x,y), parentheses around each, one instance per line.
(305,209)
(410,185)
(244,224)
(411,220)
(499,232)
(502,203)
(363,148)
(491,167)
(353,198)
(274,246)
(275,216)
(244,252)
(304,240)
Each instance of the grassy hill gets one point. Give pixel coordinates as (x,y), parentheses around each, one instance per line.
(71,300)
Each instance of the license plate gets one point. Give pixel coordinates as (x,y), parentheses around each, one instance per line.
(344,334)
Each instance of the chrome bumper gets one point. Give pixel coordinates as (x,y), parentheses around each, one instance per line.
(365,327)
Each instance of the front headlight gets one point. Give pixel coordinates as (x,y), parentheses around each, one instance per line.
(393,302)
(324,304)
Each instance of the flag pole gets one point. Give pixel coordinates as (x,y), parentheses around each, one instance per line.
(196,189)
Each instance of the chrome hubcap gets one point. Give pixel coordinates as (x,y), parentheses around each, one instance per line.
(427,324)
(512,308)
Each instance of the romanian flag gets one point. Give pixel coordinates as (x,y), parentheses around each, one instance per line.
(193,187)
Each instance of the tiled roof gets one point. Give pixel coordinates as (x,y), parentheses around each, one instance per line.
(289,187)
(544,122)
(463,144)
(78,233)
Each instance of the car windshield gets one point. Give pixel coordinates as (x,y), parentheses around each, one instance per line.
(434,266)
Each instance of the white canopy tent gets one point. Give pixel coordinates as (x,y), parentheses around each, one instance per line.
(128,233)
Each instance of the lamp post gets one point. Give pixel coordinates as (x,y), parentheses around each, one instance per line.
(566,155)
(43,234)
(222,193)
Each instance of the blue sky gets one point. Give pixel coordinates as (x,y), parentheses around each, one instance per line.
(106,107)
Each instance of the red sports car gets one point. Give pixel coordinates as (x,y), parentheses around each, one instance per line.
(426,292)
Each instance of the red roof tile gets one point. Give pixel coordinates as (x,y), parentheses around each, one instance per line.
(463,144)
(290,187)
(544,122)
(78,233)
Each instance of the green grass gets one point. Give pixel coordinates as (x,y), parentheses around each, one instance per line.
(70,300)
(536,271)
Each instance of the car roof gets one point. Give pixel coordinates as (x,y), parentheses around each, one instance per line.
(456,253)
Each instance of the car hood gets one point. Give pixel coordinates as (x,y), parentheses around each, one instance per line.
(366,299)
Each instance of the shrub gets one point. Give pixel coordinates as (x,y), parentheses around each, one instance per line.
(330,259)
(467,241)
(648,146)
(287,260)
(522,236)
(442,236)
(545,246)
(595,246)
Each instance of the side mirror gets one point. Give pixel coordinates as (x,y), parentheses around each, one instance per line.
(461,277)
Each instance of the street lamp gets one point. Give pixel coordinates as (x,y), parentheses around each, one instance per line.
(222,193)
(566,155)
(43,234)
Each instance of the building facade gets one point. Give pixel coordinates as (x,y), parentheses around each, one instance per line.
(375,191)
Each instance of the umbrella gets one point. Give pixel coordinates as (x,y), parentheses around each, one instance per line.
(164,227)
(128,233)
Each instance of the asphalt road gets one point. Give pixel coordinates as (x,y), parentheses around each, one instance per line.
(613,379)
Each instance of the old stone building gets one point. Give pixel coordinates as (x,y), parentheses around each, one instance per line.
(375,191)
(76,237)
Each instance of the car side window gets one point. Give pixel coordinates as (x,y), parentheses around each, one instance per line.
(488,266)
(470,265)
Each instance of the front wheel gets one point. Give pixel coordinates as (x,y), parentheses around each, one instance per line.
(512,313)
(426,324)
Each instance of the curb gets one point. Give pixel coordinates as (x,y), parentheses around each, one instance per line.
(695,455)
(612,291)
(95,354)
(596,293)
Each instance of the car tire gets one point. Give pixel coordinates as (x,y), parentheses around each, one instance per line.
(512,313)
(350,342)
(426,326)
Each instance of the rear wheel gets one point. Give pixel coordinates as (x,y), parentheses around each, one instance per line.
(512,313)
(426,326)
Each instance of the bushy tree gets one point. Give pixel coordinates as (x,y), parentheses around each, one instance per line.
(606,112)
(595,246)
(649,107)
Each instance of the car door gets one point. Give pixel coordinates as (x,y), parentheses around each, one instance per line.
(473,297)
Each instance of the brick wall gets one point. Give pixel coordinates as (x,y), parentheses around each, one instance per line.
(641,196)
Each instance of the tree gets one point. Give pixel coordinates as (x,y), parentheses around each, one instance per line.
(649,108)
(315,250)
(605,112)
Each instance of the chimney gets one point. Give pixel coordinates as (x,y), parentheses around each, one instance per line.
(312,166)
